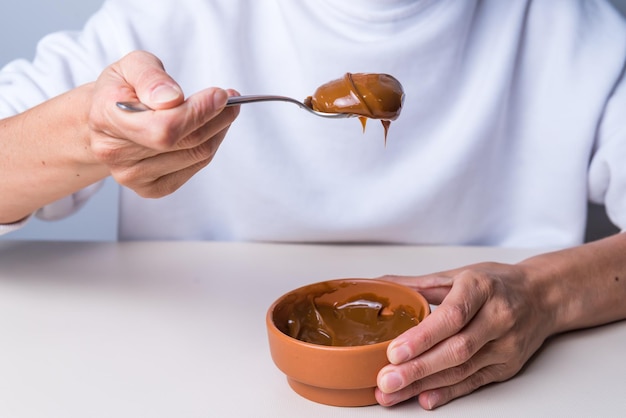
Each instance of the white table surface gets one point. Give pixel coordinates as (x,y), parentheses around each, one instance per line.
(158,329)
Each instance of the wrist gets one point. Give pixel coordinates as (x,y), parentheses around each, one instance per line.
(82,156)
(582,286)
(48,146)
(547,293)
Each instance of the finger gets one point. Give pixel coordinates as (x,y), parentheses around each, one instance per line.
(447,363)
(163,185)
(169,183)
(467,295)
(162,174)
(431,399)
(163,129)
(217,124)
(487,356)
(149,80)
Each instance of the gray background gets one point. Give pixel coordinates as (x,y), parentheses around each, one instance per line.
(22,24)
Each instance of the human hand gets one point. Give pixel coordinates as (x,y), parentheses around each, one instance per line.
(489,323)
(154,152)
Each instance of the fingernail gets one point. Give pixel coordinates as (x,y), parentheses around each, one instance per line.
(390,382)
(433,400)
(219,98)
(399,354)
(165,93)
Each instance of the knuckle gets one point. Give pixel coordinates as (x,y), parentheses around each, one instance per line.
(104,153)
(163,134)
(511,360)
(424,339)
(108,152)
(416,370)
(162,187)
(461,348)
(199,113)
(507,317)
(458,315)
(479,379)
(150,73)
(415,388)
(496,373)
(461,372)
(479,280)
(483,284)
(138,178)
(127,177)
(202,152)
(132,174)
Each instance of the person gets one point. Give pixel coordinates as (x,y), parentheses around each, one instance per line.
(513,120)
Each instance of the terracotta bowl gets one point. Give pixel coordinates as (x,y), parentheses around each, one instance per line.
(338,375)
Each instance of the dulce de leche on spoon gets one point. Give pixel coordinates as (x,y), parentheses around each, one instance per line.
(365,95)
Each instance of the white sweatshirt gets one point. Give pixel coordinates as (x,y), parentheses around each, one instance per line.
(515,116)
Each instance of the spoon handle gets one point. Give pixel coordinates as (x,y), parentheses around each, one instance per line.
(232,101)
(237,100)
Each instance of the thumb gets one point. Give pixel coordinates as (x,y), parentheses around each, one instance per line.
(146,75)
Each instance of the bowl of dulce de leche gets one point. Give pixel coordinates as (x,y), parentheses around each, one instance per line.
(330,338)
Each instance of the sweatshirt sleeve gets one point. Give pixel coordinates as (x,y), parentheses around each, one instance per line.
(607,169)
(6,228)
(57,210)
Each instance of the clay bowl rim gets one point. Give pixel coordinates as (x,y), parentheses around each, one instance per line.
(363,348)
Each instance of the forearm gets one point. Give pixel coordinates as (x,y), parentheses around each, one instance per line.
(583,286)
(46,154)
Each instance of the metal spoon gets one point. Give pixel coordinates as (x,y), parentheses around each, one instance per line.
(237,100)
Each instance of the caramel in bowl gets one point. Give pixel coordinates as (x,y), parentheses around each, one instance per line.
(330,338)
